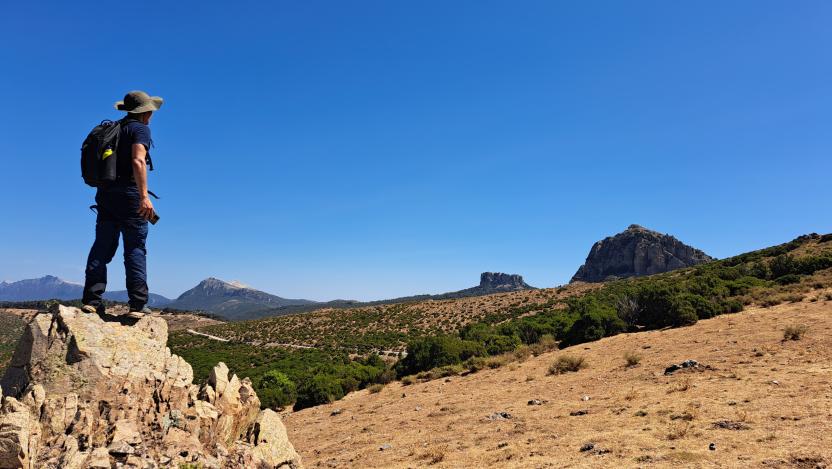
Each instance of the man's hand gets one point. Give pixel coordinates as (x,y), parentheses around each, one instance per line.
(146,208)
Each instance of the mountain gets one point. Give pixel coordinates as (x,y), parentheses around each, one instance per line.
(44,288)
(490,283)
(51,287)
(635,252)
(232,300)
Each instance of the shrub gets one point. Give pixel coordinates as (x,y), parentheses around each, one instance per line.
(703,308)
(496,362)
(631,358)
(522,353)
(498,344)
(595,320)
(547,343)
(793,298)
(566,364)
(773,301)
(781,265)
(788,279)
(318,389)
(795,332)
(733,306)
(474,364)
(387,376)
(375,388)
(431,352)
(663,306)
(276,390)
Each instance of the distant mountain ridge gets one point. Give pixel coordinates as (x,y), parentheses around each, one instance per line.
(635,252)
(50,287)
(490,283)
(235,301)
(232,300)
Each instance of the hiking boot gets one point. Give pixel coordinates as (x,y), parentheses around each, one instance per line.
(90,309)
(136,313)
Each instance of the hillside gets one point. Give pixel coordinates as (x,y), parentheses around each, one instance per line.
(762,402)
(306,360)
(231,300)
(324,355)
(490,283)
(389,326)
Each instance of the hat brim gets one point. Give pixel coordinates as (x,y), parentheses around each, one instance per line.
(154,105)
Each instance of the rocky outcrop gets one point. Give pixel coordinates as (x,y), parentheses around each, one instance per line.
(82,392)
(497,281)
(635,252)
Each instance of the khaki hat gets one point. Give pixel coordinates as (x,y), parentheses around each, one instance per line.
(136,102)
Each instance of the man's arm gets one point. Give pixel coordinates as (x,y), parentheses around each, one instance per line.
(140,176)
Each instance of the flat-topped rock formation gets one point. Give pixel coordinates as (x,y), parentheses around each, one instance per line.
(85,392)
(635,252)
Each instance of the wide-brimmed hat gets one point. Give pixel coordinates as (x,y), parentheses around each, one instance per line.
(136,102)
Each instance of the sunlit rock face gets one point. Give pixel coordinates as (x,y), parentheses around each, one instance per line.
(85,392)
(635,252)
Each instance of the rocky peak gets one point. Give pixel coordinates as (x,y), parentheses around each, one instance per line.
(501,281)
(635,252)
(212,283)
(84,392)
(635,227)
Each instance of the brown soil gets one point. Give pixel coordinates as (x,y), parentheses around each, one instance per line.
(761,401)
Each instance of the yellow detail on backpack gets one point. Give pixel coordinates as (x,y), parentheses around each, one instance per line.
(107,154)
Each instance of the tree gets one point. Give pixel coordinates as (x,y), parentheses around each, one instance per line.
(276,390)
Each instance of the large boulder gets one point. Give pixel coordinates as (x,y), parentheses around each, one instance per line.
(635,252)
(84,392)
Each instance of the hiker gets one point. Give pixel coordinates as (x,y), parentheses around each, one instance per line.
(124,208)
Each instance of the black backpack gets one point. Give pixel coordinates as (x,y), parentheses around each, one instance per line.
(99,154)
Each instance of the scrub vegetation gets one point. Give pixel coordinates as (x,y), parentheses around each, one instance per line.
(11,327)
(358,348)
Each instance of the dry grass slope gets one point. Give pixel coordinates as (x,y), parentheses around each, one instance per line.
(757,400)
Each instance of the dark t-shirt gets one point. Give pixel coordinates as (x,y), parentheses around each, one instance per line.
(132,132)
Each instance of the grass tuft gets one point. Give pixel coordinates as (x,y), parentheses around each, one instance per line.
(795,332)
(631,359)
(567,364)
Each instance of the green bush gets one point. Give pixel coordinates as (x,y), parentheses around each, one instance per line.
(432,352)
(733,306)
(595,320)
(788,279)
(318,389)
(662,306)
(703,307)
(276,390)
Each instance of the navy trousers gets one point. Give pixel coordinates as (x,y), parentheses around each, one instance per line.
(118,215)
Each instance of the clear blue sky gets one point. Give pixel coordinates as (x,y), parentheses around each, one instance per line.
(371,149)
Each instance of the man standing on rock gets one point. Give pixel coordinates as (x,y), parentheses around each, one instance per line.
(124,208)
